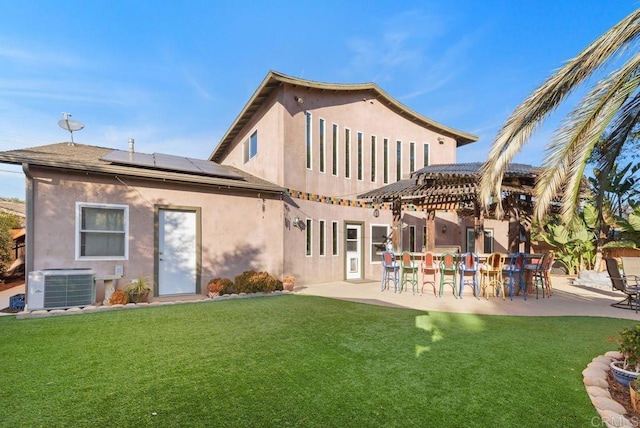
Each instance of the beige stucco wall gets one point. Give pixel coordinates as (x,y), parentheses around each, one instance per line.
(281,126)
(239,231)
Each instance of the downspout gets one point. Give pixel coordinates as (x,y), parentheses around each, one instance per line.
(29,203)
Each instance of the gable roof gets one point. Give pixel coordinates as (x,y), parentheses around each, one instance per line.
(86,158)
(274,80)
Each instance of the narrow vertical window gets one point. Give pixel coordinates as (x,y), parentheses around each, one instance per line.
(385,161)
(250,147)
(424,237)
(412,239)
(398,160)
(321,144)
(309,140)
(412,157)
(425,161)
(360,156)
(334,238)
(347,153)
(373,158)
(309,236)
(321,237)
(334,142)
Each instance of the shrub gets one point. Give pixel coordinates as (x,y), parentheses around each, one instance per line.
(118,297)
(629,347)
(220,286)
(251,281)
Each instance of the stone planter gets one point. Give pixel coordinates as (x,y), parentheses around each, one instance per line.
(622,376)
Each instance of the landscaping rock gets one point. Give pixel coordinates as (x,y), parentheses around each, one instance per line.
(596,381)
(594,372)
(605,403)
(613,419)
(596,391)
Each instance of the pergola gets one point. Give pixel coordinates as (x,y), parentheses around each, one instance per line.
(455,187)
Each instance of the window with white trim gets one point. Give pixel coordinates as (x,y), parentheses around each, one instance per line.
(412,156)
(250,147)
(334,140)
(309,231)
(374,143)
(379,238)
(347,153)
(322,234)
(321,148)
(360,155)
(398,160)
(334,238)
(385,160)
(308,139)
(102,231)
(425,156)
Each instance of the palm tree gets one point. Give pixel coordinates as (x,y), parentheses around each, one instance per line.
(611,105)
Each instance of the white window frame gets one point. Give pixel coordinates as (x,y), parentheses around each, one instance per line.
(377,260)
(246,149)
(347,151)
(308,117)
(426,148)
(360,155)
(386,172)
(322,238)
(78,230)
(309,237)
(322,145)
(398,159)
(373,163)
(335,235)
(335,145)
(412,156)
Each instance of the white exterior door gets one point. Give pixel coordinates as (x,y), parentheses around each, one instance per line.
(353,251)
(176,252)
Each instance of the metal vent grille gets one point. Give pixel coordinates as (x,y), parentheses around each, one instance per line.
(64,291)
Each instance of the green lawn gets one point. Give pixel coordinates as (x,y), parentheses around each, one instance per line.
(298,361)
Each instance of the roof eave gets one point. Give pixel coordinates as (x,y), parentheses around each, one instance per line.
(275,79)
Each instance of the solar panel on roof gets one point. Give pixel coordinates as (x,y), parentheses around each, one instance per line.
(170,163)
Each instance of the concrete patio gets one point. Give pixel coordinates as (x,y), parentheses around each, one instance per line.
(567,299)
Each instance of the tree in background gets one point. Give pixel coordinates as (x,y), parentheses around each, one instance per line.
(7,222)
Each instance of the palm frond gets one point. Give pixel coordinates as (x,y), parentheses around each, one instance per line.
(531,113)
(568,152)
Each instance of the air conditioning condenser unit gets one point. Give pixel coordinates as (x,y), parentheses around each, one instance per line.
(60,289)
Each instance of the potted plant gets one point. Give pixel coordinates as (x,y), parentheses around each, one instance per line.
(288,282)
(634,394)
(138,290)
(215,286)
(118,297)
(628,369)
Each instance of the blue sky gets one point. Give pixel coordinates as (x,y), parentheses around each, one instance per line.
(175,74)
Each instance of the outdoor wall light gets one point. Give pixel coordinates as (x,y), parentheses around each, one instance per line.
(296,222)
(440,140)
(444,229)
(298,99)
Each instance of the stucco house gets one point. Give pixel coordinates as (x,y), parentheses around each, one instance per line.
(278,193)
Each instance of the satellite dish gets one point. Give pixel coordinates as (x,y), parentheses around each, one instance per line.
(69,124)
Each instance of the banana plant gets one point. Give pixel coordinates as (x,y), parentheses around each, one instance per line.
(575,243)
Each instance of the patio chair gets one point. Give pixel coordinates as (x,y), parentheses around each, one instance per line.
(535,273)
(628,284)
(470,264)
(429,267)
(491,274)
(449,266)
(409,271)
(390,271)
(515,271)
(540,273)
